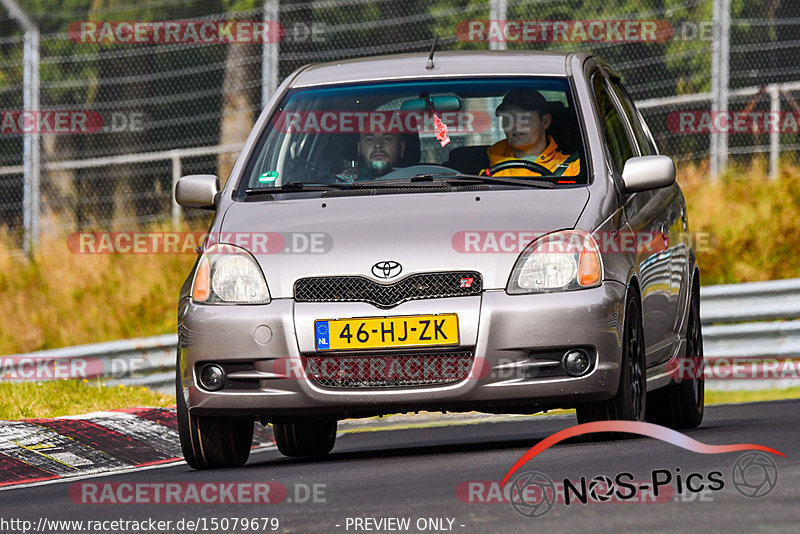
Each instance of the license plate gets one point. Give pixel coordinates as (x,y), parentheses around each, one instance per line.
(382,332)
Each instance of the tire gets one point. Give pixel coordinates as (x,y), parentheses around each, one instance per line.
(210,442)
(308,437)
(682,405)
(629,403)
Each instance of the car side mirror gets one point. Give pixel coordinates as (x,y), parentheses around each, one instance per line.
(197,191)
(648,172)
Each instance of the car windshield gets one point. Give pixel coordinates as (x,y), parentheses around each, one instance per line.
(376,134)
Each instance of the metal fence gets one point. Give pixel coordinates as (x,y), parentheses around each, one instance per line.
(159,100)
(753,321)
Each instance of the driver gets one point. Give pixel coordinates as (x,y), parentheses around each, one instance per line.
(526,119)
(378,154)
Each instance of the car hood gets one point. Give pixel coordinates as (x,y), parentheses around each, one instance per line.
(481,231)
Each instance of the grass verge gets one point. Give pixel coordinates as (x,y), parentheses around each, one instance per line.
(732,397)
(24,400)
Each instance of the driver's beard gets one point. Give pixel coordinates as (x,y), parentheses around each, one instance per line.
(380,167)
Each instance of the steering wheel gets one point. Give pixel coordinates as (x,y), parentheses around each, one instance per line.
(518,164)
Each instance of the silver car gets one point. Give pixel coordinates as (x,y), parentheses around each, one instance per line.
(488,231)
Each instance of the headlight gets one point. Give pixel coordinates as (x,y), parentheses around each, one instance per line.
(559,261)
(229,274)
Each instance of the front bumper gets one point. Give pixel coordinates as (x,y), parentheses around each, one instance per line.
(504,332)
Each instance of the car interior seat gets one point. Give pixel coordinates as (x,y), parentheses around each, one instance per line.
(413,151)
(564,128)
(468,159)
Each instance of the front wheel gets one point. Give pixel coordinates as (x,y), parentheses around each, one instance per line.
(629,402)
(312,437)
(208,442)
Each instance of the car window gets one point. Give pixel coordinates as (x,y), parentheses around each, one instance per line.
(645,142)
(617,140)
(362,132)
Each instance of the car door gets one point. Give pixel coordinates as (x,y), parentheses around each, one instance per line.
(674,206)
(644,216)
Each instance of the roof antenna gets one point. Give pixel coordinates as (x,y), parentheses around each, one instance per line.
(429,66)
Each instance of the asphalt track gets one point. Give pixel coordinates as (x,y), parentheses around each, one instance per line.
(414,473)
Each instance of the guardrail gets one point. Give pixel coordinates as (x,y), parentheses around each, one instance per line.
(752,320)
(754,301)
(146,361)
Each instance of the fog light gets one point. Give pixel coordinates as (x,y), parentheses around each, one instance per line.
(576,362)
(212,377)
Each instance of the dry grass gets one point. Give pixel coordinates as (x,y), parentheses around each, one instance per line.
(754,222)
(58,298)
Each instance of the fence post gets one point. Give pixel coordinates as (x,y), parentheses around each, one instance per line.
(498,10)
(719,83)
(269,54)
(31,150)
(775,134)
(176,175)
(30,145)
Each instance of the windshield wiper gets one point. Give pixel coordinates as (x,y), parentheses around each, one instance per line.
(291,187)
(459,178)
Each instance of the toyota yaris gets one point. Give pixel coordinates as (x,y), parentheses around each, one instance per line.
(473,231)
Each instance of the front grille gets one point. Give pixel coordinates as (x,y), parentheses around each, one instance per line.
(361,289)
(388,370)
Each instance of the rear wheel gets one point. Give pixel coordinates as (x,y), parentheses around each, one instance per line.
(629,402)
(682,405)
(307,437)
(208,442)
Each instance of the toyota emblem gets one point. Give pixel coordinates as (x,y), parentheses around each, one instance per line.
(386,269)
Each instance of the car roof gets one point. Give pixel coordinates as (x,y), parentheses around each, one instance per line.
(446,64)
